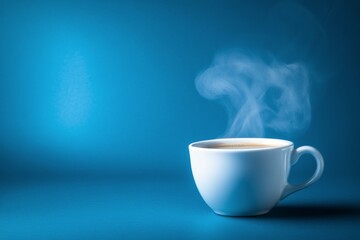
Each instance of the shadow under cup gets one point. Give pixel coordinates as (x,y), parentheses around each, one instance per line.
(246,176)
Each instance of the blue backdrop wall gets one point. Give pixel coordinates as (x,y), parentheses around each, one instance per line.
(107,87)
(98,104)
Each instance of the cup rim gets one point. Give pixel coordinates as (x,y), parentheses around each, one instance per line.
(278,144)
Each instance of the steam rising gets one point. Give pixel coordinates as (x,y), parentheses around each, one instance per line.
(258,95)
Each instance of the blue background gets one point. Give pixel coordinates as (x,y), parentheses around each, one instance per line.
(98,105)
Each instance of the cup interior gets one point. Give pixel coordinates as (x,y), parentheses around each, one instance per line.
(241,144)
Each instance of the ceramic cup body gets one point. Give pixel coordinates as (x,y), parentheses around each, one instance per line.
(245,182)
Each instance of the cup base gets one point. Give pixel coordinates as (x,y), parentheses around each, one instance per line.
(241,215)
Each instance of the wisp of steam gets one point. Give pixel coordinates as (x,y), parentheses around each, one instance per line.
(259,95)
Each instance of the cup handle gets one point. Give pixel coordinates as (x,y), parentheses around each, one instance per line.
(296,154)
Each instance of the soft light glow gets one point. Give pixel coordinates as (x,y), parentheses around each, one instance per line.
(74,99)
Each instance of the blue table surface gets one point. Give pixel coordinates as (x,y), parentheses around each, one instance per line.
(165,208)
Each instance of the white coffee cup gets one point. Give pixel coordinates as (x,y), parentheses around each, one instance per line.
(247,176)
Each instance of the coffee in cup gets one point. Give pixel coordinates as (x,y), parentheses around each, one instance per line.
(244,145)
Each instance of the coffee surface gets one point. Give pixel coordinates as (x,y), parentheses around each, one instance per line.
(239,146)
